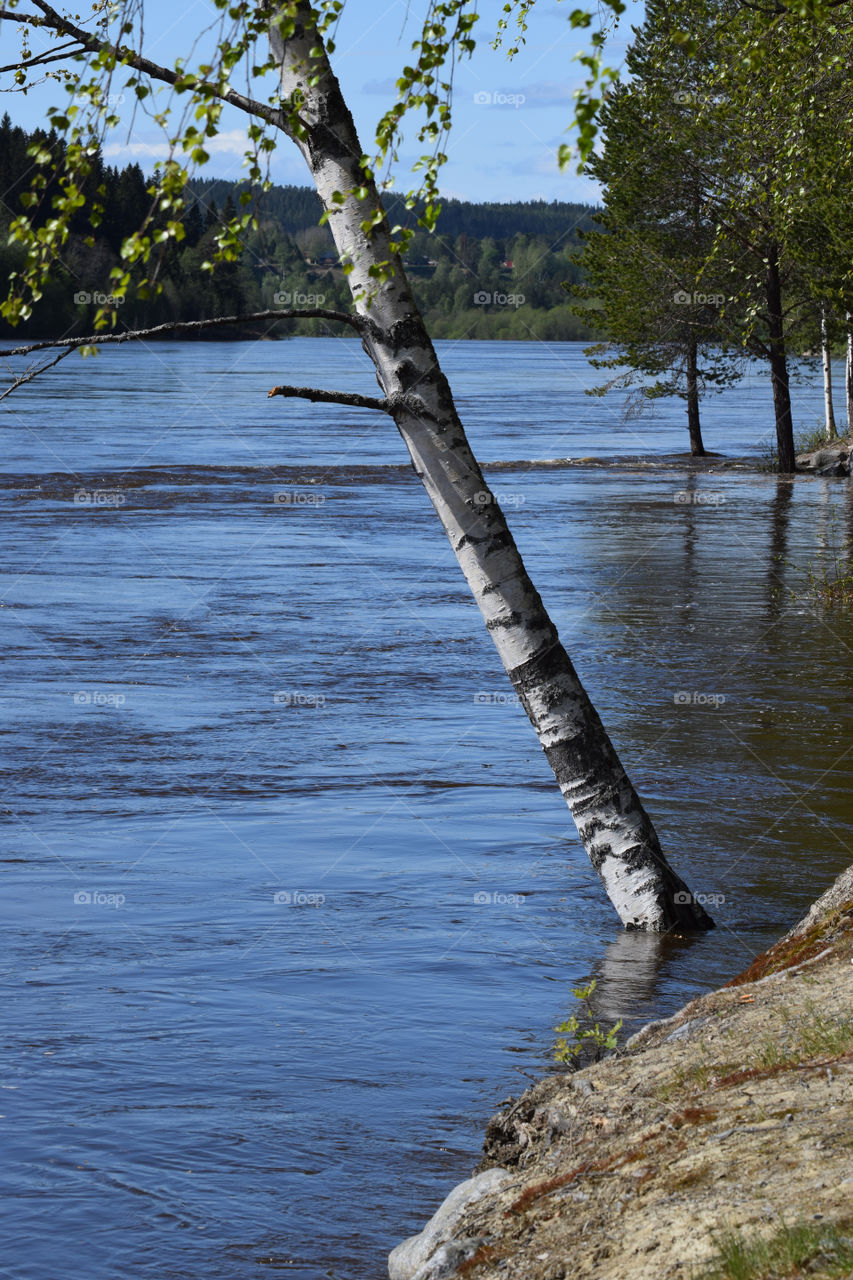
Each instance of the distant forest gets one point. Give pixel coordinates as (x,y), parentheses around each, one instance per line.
(489,271)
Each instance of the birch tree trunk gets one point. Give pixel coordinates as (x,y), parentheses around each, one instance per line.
(848,381)
(613,825)
(829,412)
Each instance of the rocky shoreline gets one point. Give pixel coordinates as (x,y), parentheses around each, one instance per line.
(734,1115)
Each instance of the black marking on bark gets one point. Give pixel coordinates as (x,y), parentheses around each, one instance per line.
(499,624)
(500,540)
(551,660)
(468,539)
(406,332)
(594,827)
(492,542)
(409,376)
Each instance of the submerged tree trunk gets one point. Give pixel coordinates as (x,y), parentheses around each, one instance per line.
(613,825)
(779,366)
(848,381)
(829,412)
(697,448)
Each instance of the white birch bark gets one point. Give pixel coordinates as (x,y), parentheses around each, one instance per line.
(829,412)
(613,825)
(849,377)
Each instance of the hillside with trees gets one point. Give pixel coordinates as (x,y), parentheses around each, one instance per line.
(489,271)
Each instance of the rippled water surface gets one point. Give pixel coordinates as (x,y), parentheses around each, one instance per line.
(291,899)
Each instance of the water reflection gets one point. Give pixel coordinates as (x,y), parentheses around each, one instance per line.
(691,488)
(780,518)
(629,973)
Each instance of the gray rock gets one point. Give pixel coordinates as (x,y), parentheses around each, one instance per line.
(834,460)
(686,1030)
(557,1120)
(839,892)
(448,1258)
(639,1037)
(409,1259)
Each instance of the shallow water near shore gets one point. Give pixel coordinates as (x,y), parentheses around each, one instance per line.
(291,899)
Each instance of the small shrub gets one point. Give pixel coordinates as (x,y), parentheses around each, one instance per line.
(813,438)
(582,1035)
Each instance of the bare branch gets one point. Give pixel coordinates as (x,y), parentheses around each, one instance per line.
(333,397)
(184,326)
(33,373)
(57,22)
(37,61)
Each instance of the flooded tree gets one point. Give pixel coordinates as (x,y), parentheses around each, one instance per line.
(310,110)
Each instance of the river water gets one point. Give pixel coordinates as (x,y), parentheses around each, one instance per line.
(291,899)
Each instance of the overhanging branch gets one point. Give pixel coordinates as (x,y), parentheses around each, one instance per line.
(185,326)
(33,373)
(54,21)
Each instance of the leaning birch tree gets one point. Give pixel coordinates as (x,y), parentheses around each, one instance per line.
(308,108)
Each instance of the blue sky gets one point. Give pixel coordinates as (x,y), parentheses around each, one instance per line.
(510,118)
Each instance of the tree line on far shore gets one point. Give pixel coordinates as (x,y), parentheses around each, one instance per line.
(491,270)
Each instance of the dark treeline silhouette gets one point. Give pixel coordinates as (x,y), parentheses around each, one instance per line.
(299,208)
(490,271)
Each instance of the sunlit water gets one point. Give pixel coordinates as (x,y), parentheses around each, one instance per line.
(291,899)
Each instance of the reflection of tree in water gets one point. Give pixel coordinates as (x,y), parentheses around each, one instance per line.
(780,517)
(628,977)
(832,562)
(847,518)
(690,489)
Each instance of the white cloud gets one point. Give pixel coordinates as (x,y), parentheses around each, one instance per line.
(384,88)
(231,143)
(549,93)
